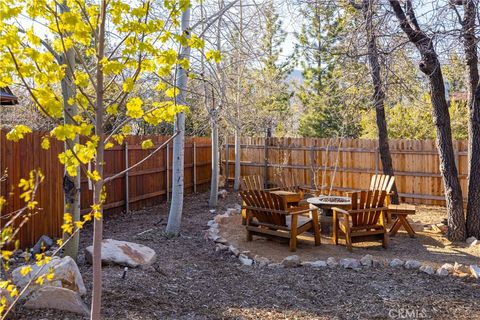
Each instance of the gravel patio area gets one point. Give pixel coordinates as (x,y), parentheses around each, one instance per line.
(190,280)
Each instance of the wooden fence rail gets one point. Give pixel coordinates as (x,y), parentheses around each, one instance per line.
(146,185)
(347,163)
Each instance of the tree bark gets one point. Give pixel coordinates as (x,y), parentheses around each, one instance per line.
(176,207)
(215,166)
(430,66)
(471,55)
(378,94)
(236,185)
(99,159)
(71,185)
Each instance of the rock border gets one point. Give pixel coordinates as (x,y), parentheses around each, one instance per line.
(367,261)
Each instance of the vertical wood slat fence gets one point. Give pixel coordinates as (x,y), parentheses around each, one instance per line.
(146,185)
(347,164)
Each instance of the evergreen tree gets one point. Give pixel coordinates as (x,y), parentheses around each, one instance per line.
(326,114)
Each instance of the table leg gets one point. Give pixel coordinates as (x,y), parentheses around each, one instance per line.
(407,226)
(396,225)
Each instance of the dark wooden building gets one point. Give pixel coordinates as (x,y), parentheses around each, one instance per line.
(7,98)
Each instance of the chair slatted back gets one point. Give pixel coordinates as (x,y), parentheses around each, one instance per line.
(382,182)
(252,183)
(288,181)
(266,200)
(366,201)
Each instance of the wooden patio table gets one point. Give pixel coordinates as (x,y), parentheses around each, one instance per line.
(401,211)
(289,198)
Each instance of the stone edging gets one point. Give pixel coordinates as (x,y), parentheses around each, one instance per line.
(245,257)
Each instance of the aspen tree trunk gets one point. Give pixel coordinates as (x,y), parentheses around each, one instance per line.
(236,184)
(379,94)
(99,159)
(71,185)
(212,111)
(176,207)
(471,55)
(215,166)
(430,66)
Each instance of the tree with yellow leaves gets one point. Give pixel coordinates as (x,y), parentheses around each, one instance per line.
(117,45)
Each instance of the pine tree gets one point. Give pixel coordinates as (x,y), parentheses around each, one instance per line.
(319,39)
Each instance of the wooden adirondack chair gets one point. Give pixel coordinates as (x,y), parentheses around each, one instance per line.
(252,183)
(365,221)
(382,182)
(267,216)
(287,181)
(385,183)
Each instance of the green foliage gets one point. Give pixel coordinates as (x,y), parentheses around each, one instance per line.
(413,120)
(328,86)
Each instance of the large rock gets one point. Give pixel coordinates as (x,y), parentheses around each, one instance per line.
(331,262)
(222,193)
(124,253)
(221,218)
(367,260)
(427,269)
(43,244)
(475,271)
(245,260)
(413,264)
(291,262)
(57,298)
(470,240)
(460,268)
(350,263)
(315,264)
(261,261)
(232,211)
(66,275)
(396,263)
(234,250)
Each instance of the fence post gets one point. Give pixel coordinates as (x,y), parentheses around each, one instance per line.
(194,166)
(127,192)
(377,160)
(167,171)
(312,167)
(457,156)
(265,173)
(226,161)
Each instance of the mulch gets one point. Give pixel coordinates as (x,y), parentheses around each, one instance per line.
(190,280)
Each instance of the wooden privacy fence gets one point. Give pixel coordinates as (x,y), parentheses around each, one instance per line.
(347,163)
(146,185)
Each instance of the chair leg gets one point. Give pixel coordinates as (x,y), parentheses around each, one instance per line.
(293,234)
(249,236)
(385,240)
(335,228)
(316,227)
(348,237)
(348,241)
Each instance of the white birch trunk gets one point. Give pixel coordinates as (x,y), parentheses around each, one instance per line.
(176,207)
(71,197)
(215,165)
(236,185)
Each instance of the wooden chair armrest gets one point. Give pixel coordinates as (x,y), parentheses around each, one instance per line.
(300,210)
(273,189)
(284,212)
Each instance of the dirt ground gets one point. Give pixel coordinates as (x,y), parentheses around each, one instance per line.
(428,246)
(191,281)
